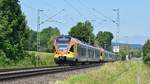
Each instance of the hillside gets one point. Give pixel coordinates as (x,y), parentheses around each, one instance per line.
(139,46)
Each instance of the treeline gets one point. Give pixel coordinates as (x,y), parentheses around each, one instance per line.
(13,32)
(46,37)
(125,50)
(84,32)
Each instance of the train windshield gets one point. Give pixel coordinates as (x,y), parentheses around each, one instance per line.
(63,42)
(63,39)
(62,46)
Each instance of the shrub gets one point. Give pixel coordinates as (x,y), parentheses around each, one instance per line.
(146,52)
(147,58)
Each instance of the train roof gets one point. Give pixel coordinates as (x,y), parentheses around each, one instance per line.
(84,44)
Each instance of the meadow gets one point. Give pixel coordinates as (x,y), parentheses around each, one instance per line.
(36,59)
(121,72)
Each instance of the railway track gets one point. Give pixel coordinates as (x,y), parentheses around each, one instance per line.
(16,69)
(38,71)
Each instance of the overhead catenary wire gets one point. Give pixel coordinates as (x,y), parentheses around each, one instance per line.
(79,13)
(100,20)
(95,10)
(28,6)
(33,8)
(52,16)
(90,9)
(103,15)
(48,4)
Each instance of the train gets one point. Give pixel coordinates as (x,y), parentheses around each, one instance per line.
(69,50)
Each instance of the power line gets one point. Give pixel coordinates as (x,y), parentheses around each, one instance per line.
(30,7)
(33,8)
(70,18)
(38,29)
(117,21)
(74,8)
(48,4)
(52,16)
(39,23)
(84,5)
(118,26)
(103,15)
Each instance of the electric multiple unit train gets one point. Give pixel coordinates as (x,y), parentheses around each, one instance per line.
(69,50)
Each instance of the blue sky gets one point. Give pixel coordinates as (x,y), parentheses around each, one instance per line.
(134,16)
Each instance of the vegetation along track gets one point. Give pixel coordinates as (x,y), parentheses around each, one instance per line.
(30,72)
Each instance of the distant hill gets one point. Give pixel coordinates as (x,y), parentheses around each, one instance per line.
(130,45)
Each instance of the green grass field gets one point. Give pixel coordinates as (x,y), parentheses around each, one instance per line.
(37,59)
(45,59)
(114,73)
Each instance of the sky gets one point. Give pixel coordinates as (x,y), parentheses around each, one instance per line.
(134,16)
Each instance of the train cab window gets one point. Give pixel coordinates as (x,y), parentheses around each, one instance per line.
(101,54)
(53,47)
(72,49)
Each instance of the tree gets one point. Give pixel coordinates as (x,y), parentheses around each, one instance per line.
(47,35)
(136,52)
(31,44)
(103,39)
(146,52)
(13,30)
(83,32)
(124,50)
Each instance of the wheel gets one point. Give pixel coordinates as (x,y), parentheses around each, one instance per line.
(72,64)
(83,63)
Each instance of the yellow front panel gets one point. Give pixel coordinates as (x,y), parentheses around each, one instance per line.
(69,55)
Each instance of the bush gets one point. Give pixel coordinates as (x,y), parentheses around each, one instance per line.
(146,52)
(2,58)
(147,58)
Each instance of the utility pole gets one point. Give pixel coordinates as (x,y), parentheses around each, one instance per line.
(42,22)
(38,29)
(117,26)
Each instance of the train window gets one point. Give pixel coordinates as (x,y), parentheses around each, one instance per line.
(84,51)
(92,54)
(62,46)
(79,50)
(101,54)
(97,53)
(88,52)
(72,49)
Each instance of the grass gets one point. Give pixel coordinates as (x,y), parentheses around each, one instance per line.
(134,72)
(45,59)
(37,59)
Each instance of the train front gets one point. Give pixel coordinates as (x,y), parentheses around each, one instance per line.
(64,50)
